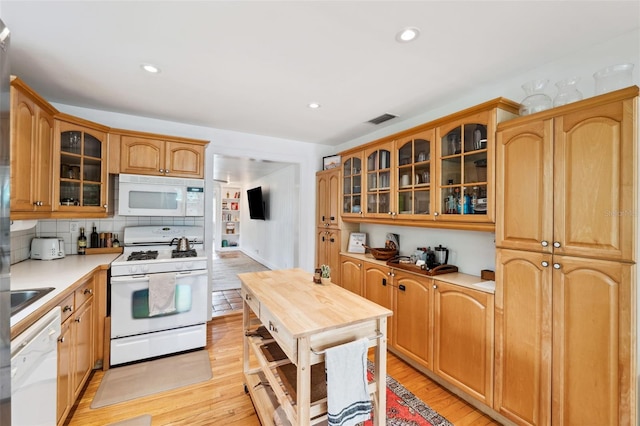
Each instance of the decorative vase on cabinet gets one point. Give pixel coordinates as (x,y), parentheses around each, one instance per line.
(567,91)
(536,99)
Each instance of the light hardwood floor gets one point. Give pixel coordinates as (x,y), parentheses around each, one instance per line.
(222,401)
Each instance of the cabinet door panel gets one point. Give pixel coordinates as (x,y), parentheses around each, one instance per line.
(524,182)
(333,198)
(593,193)
(141,155)
(65,359)
(23,116)
(184,160)
(83,345)
(43,186)
(412,318)
(592,342)
(463,339)
(378,287)
(351,274)
(523,337)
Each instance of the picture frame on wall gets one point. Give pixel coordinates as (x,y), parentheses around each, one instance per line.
(357,241)
(330,162)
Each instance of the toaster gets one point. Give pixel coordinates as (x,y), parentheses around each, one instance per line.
(47,248)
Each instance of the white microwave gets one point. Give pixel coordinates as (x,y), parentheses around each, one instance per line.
(141,195)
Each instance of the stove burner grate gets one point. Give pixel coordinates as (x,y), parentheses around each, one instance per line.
(143,255)
(187,253)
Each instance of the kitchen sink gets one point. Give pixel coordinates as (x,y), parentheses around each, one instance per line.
(20,299)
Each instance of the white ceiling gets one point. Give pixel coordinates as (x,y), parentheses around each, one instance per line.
(253,66)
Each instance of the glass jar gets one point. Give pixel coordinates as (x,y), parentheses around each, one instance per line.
(536,99)
(567,91)
(613,78)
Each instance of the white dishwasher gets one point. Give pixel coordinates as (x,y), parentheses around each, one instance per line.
(34,371)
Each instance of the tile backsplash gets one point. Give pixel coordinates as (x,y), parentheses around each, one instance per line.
(21,240)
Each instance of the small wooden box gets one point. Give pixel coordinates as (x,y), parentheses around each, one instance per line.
(486,274)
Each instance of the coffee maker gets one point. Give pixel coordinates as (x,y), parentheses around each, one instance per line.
(441,255)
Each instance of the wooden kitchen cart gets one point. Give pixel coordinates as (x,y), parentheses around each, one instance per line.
(304,319)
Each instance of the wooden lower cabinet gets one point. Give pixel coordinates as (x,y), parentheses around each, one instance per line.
(463,339)
(378,287)
(65,358)
(76,346)
(564,340)
(328,251)
(351,274)
(413,329)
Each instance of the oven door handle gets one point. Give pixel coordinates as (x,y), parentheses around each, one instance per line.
(145,277)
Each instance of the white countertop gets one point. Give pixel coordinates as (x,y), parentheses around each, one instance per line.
(58,273)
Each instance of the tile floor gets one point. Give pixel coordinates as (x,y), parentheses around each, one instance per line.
(226,302)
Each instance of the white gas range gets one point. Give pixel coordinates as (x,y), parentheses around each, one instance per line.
(158,294)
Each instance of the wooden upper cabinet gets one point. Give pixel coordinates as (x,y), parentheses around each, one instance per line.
(565,179)
(352,185)
(80,168)
(414,169)
(31,137)
(524,184)
(327,198)
(379,197)
(151,156)
(594,199)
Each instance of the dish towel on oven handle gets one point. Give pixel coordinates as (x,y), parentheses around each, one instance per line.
(162,293)
(348,400)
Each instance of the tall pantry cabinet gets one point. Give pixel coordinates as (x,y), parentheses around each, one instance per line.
(565,306)
(331,233)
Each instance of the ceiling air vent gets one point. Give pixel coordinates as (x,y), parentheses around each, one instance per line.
(382,118)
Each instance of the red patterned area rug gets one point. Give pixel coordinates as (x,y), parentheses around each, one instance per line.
(406,409)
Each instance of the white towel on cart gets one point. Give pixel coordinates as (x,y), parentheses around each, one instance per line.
(162,293)
(348,400)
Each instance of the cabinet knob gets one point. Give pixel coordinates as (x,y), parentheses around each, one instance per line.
(359,265)
(104,205)
(544,243)
(166,171)
(436,214)
(556,244)
(389,213)
(545,263)
(332,240)
(361,213)
(67,308)
(161,170)
(61,339)
(332,218)
(78,320)
(401,287)
(88,291)
(247,297)
(389,273)
(556,266)
(323,220)
(272,327)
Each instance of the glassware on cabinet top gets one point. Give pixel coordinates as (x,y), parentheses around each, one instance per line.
(613,77)
(536,99)
(567,91)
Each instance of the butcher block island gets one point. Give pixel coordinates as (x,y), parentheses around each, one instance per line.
(289,322)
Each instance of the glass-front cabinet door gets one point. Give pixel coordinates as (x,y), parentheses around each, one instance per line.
(82,169)
(379,181)
(464,183)
(414,170)
(352,185)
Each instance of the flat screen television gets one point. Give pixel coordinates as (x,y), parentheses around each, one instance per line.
(256,203)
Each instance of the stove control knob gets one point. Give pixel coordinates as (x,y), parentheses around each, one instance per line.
(179,266)
(133,269)
(189,265)
(145,268)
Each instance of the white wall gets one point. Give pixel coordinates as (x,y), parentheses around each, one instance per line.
(274,241)
(470,251)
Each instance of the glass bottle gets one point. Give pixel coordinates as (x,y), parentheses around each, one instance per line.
(536,99)
(567,91)
(94,237)
(82,242)
(116,241)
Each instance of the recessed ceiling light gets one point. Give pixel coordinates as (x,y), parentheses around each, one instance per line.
(314,105)
(150,68)
(407,34)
